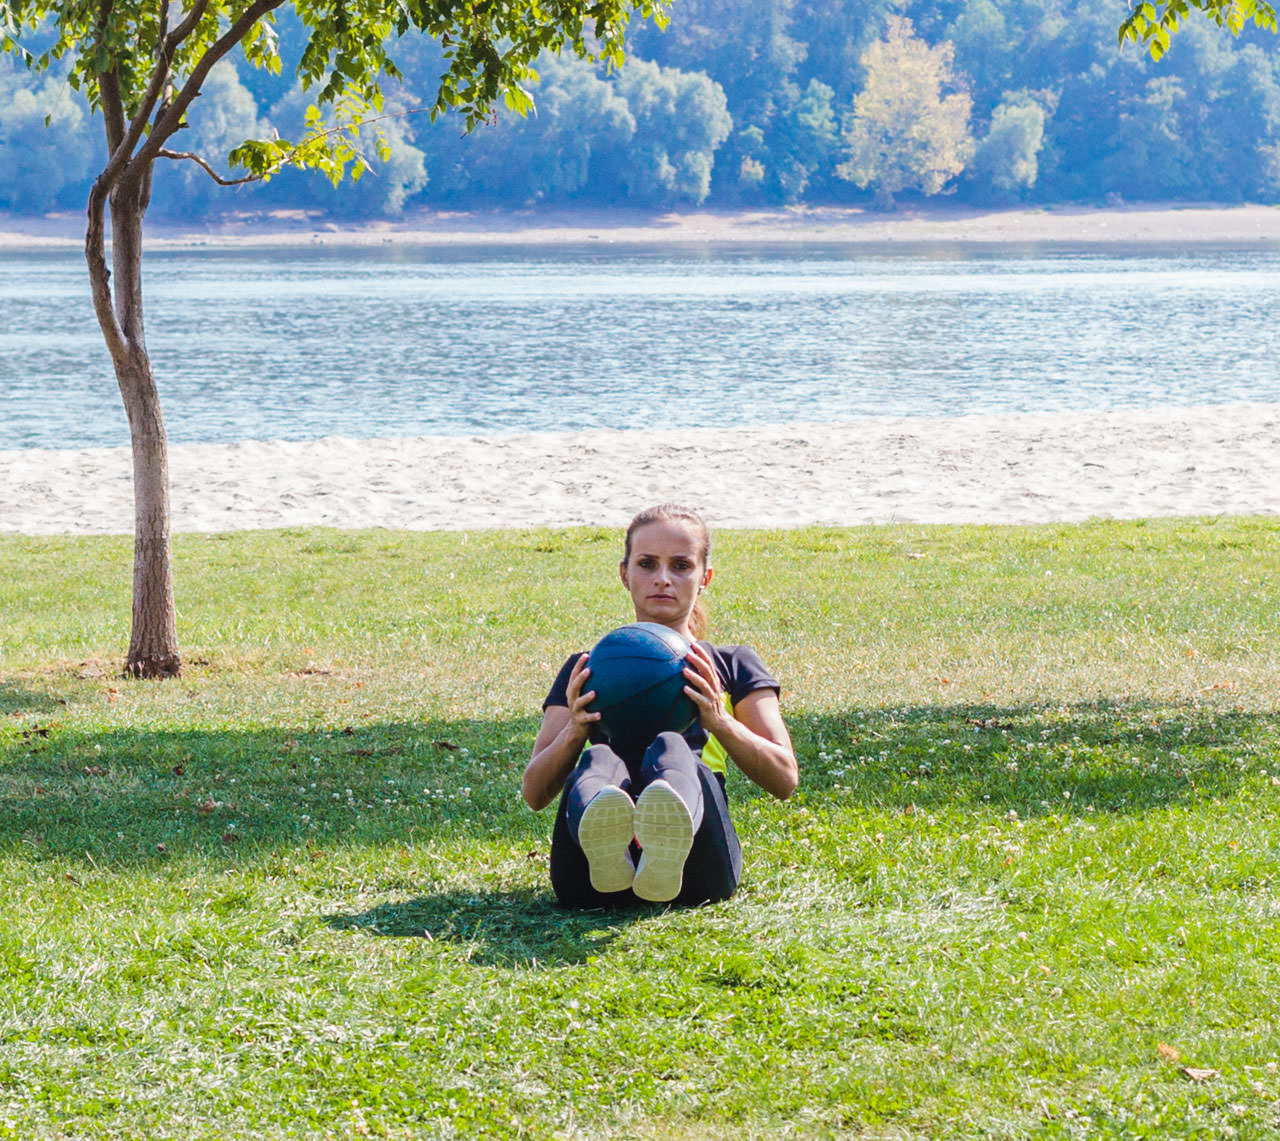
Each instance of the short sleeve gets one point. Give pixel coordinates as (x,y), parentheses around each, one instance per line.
(559,694)
(742,672)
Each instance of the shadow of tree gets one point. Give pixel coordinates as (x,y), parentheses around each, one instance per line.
(129,795)
(1115,757)
(501,928)
(15,698)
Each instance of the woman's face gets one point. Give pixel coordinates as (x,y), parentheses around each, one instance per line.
(665,573)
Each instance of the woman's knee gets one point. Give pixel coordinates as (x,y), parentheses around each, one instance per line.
(671,750)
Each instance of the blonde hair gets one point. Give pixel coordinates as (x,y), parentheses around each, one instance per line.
(675,513)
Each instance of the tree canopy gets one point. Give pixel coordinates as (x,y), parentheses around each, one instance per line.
(907,131)
(1058,110)
(1154,24)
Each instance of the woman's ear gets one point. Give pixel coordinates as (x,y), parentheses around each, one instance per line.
(622,574)
(706,578)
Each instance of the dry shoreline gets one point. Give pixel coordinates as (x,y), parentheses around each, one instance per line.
(1029,468)
(1175,224)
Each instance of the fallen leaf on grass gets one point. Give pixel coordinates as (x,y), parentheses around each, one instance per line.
(1169,1053)
(1196,1074)
(444,745)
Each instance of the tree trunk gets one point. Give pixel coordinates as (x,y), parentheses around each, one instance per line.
(153,642)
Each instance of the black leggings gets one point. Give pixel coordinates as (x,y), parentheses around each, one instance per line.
(714,864)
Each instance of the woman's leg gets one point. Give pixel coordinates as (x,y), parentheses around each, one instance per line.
(668,812)
(591,863)
(689,849)
(714,866)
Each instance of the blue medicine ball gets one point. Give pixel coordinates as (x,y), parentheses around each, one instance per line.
(637,673)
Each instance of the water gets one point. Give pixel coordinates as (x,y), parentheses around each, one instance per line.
(302,344)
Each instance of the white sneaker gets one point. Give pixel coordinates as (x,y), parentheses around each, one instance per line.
(664,830)
(605,832)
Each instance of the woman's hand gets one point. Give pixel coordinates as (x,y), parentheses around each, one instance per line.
(565,729)
(754,734)
(578,701)
(705,689)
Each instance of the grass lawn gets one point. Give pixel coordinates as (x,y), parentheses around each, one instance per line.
(1027,889)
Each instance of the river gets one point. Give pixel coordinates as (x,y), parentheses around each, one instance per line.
(306,343)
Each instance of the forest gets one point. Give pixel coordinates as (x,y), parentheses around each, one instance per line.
(741,103)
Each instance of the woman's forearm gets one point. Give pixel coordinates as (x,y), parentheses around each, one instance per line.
(768,763)
(550,765)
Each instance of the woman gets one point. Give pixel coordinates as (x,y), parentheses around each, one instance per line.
(663,801)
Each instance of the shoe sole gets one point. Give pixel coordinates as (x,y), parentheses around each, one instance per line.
(664,831)
(604,835)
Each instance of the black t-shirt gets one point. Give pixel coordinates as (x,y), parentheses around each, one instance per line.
(741,672)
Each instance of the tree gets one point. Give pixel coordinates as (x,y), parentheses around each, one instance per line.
(905,133)
(681,120)
(1154,24)
(1007,158)
(548,156)
(144,63)
(47,150)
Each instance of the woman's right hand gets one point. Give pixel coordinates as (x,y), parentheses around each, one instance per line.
(578,700)
(565,729)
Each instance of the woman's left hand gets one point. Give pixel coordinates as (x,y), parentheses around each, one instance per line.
(704,688)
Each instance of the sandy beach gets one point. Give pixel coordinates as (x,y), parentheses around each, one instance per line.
(1178,225)
(982,469)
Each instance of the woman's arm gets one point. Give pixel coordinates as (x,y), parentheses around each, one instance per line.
(754,735)
(559,741)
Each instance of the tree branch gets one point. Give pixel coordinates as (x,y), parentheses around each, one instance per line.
(109,90)
(99,275)
(166,44)
(171,116)
(203,165)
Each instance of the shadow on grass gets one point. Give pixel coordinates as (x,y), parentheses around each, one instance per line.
(128,796)
(17,699)
(500,928)
(1113,757)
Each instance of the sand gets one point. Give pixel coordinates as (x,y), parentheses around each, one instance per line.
(982,469)
(1179,225)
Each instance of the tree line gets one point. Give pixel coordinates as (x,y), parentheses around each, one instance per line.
(742,103)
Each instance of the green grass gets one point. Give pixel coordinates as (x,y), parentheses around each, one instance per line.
(1027,889)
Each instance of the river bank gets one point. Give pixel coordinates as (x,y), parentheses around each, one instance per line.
(1125,224)
(1030,468)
